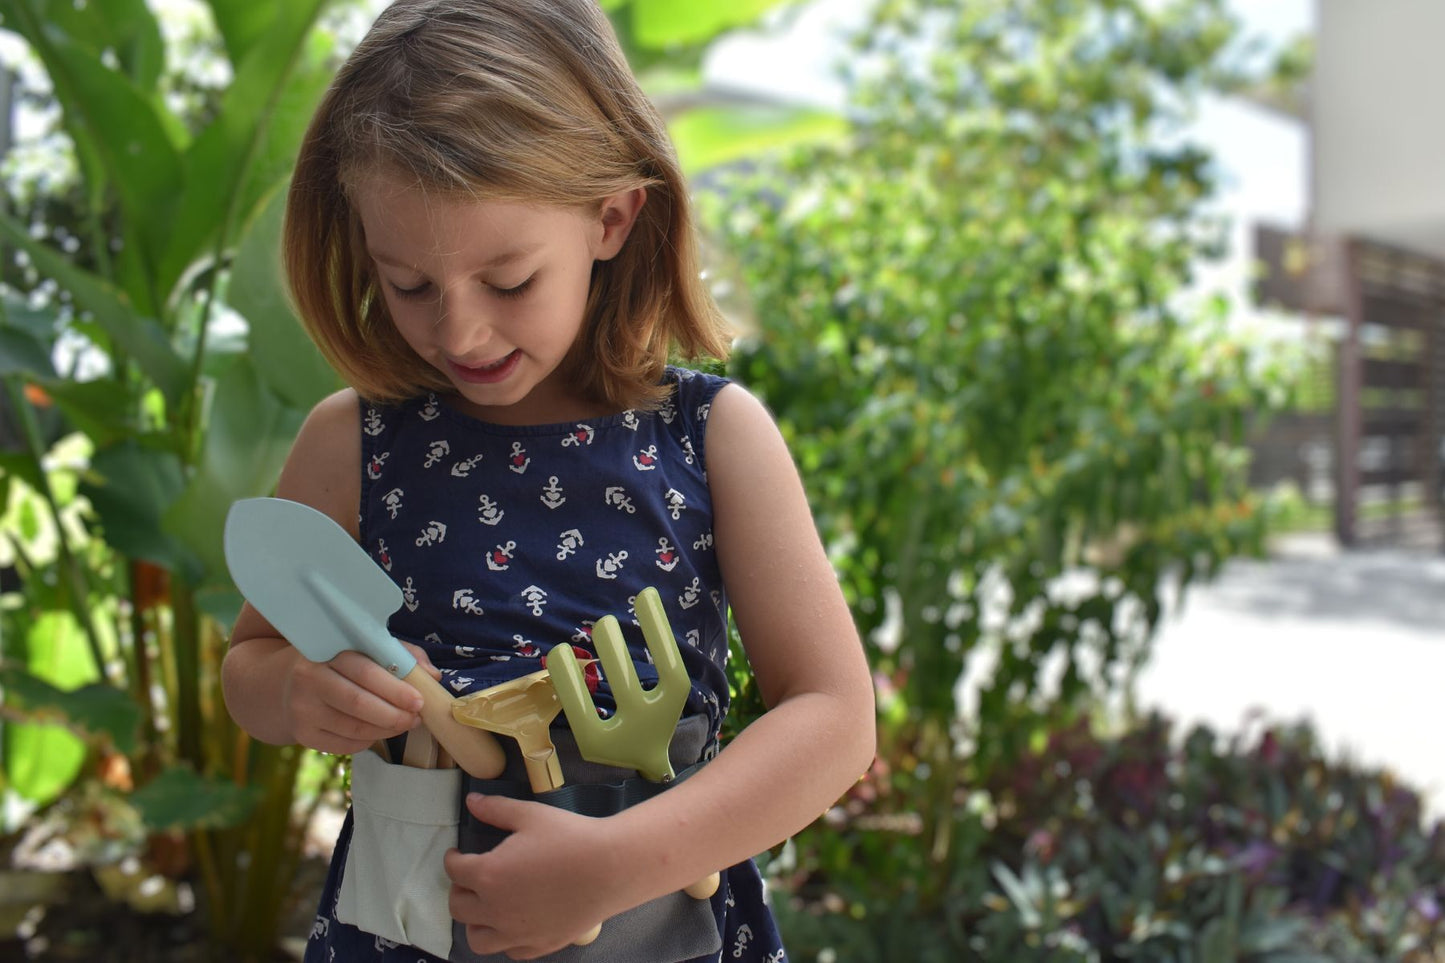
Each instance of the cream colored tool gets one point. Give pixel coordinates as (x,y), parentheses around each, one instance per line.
(522,709)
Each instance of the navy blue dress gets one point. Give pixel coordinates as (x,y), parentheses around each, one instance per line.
(506,541)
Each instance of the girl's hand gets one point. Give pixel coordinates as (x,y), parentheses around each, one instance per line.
(345,705)
(541,888)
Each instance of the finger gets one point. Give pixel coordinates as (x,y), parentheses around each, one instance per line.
(502,812)
(423,660)
(371,693)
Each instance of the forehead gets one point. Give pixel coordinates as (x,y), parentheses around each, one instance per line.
(402,217)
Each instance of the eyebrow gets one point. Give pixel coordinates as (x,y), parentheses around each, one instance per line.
(501,260)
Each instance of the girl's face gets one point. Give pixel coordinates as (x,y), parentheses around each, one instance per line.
(490,293)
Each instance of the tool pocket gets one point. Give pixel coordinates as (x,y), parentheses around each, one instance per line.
(403,822)
(668,929)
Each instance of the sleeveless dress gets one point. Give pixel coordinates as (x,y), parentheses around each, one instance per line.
(507,540)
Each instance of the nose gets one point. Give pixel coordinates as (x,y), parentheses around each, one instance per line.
(463,327)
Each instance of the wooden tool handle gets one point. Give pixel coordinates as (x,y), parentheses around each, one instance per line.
(475,750)
(703,888)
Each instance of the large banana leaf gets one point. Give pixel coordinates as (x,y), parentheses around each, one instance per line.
(241,155)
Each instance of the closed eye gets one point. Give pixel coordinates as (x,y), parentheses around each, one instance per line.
(515,292)
(414,293)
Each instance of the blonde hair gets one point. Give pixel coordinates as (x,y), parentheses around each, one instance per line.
(517,100)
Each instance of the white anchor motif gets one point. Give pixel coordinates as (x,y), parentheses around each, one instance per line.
(579,436)
(552,495)
(463,600)
(375,465)
(499,558)
(688,455)
(571,540)
(392,501)
(535,598)
(646,459)
(434,534)
(690,596)
(383,554)
(694,638)
(520,459)
(408,594)
(431,410)
(629,420)
(667,556)
(616,496)
(487,511)
(373,425)
(676,502)
(745,936)
(703,410)
(611,565)
(667,412)
(704,541)
(463,469)
(439,449)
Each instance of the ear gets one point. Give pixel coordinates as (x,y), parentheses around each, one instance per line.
(618,215)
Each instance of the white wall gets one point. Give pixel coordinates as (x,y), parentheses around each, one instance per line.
(1378,116)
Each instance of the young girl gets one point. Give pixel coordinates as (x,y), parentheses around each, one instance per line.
(489,236)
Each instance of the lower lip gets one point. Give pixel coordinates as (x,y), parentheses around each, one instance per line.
(490,374)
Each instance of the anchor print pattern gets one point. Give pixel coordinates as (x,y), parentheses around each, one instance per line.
(507,542)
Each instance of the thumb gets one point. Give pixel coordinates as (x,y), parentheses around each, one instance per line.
(502,812)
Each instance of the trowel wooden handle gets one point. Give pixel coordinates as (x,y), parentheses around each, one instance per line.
(475,750)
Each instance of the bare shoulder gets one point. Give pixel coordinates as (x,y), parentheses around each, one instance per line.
(323,469)
(737,421)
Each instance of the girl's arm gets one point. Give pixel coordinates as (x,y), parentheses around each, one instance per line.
(271,690)
(776,777)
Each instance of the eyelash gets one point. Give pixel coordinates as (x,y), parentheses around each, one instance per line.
(419,292)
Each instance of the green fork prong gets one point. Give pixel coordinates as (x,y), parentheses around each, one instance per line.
(640,731)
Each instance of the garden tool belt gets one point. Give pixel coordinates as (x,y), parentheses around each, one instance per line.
(405,819)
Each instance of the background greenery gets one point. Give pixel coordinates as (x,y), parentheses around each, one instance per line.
(961,296)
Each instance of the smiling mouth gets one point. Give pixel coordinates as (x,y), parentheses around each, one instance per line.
(488,373)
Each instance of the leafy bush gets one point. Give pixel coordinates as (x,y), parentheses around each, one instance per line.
(1140,847)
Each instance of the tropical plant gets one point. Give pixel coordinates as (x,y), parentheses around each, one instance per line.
(1017,437)
(141,421)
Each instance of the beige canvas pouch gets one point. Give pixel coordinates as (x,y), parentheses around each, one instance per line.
(403,822)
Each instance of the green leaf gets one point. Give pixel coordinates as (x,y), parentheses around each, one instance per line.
(712,136)
(127,28)
(664,23)
(139,336)
(101,408)
(23,354)
(287,360)
(130,487)
(252,140)
(134,146)
(180,799)
(95,712)
(41,756)
(250,434)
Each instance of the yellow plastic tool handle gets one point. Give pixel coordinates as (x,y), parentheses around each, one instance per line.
(475,750)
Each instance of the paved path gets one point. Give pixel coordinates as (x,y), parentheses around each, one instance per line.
(1353,641)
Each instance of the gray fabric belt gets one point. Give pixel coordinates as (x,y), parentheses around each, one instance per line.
(669,929)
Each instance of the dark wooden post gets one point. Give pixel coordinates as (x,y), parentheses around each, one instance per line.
(1347,402)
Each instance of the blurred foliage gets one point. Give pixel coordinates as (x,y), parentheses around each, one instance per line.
(1017,432)
(136,415)
(1150,847)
